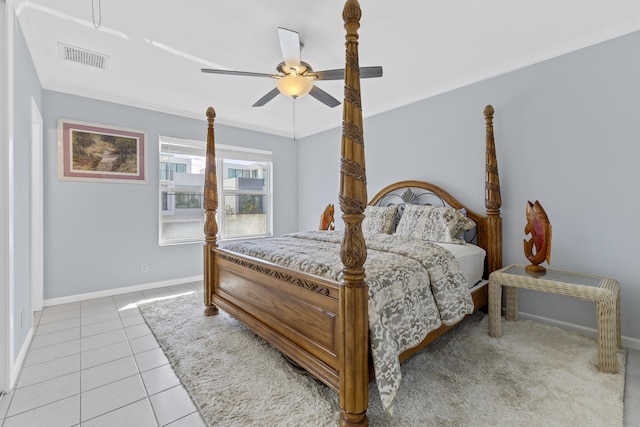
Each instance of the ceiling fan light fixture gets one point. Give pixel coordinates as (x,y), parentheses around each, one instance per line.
(294,86)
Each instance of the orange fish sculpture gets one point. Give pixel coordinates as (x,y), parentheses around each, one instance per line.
(326,219)
(538,248)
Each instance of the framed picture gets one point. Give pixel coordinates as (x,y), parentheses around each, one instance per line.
(94,152)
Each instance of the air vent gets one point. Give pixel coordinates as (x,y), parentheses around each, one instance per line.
(83,56)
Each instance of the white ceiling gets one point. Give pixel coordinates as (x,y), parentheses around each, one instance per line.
(156,49)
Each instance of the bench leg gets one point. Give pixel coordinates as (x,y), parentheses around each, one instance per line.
(511,309)
(495,308)
(618,328)
(607,334)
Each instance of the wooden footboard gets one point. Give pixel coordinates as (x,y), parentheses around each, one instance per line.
(296,313)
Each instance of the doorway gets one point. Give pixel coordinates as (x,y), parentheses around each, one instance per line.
(6,95)
(36,227)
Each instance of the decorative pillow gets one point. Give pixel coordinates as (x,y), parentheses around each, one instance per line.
(378,219)
(433,223)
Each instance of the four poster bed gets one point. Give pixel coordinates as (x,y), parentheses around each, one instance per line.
(335,321)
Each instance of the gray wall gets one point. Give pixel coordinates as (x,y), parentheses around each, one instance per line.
(26,86)
(567,134)
(98,234)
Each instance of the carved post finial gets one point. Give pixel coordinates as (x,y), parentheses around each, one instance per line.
(351,13)
(488,112)
(211,113)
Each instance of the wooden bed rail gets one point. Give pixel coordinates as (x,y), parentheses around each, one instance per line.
(354,319)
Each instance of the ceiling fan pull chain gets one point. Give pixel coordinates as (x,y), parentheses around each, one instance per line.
(93,13)
(294,119)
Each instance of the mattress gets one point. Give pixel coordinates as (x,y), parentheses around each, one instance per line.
(471,260)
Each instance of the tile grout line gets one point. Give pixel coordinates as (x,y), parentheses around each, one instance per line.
(115,306)
(138,374)
(180,384)
(36,325)
(146,391)
(80,369)
(84,311)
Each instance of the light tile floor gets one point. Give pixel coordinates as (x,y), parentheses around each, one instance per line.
(96,363)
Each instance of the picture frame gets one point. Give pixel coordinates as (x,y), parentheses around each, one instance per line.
(104,153)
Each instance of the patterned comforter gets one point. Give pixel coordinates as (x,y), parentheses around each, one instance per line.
(414,287)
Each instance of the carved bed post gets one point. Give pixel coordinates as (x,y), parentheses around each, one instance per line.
(354,322)
(493,200)
(210,208)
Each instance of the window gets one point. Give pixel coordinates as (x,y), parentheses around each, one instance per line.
(167,170)
(244,191)
(244,180)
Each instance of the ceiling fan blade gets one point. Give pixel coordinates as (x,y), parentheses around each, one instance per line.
(235,73)
(268,97)
(290,47)
(365,73)
(324,97)
(330,74)
(369,72)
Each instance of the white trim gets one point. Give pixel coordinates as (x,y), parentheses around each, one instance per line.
(36,210)
(627,342)
(22,355)
(118,291)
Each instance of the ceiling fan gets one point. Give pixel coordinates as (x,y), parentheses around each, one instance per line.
(296,78)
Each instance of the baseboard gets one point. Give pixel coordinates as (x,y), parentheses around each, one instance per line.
(119,291)
(627,342)
(16,366)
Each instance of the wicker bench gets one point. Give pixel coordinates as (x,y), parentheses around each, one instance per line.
(604,291)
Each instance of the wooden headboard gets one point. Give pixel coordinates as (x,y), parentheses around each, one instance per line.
(488,234)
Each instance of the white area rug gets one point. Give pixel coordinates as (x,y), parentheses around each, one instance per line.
(534,375)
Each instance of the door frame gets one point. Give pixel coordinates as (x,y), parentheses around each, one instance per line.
(7,376)
(36,210)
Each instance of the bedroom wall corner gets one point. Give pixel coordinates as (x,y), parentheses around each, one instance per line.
(318,178)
